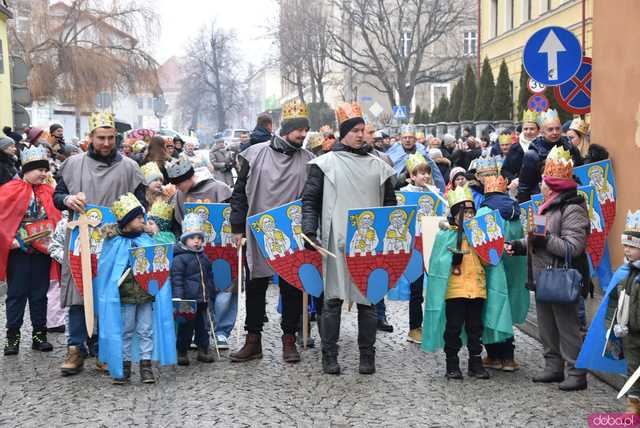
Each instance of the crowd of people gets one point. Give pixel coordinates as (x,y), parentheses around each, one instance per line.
(147,179)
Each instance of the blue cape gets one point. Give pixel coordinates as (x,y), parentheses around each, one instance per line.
(591,353)
(399,158)
(113,261)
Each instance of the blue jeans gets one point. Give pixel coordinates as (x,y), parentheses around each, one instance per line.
(77,328)
(381,310)
(137,319)
(224,309)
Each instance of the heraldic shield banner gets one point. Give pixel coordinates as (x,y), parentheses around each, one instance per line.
(428,204)
(151,266)
(597,238)
(103,216)
(279,236)
(600,176)
(218,241)
(379,243)
(486,235)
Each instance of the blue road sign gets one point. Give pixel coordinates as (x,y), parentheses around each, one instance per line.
(552,55)
(575,95)
(400,112)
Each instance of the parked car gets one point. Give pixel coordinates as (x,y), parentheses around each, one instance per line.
(231,138)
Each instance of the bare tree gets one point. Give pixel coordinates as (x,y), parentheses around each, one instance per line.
(393,43)
(77,49)
(213,78)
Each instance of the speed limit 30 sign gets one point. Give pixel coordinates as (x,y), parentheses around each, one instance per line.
(535,87)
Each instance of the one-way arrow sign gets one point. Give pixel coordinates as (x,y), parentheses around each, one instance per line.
(552,55)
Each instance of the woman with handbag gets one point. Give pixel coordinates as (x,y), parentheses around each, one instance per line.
(558,286)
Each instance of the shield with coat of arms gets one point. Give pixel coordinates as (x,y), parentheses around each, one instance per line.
(218,241)
(151,266)
(597,238)
(600,176)
(42,228)
(379,244)
(278,233)
(485,234)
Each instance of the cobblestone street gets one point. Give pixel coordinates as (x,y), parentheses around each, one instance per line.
(409,389)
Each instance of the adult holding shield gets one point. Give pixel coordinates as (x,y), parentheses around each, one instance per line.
(346,178)
(97,177)
(271,174)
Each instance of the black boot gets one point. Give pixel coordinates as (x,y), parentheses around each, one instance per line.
(13,342)
(127,369)
(126,374)
(146,372)
(330,364)
(329,327)
(39,341)
(476,368)
(453,369)
(367,326)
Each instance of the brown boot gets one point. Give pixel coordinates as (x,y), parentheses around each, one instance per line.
(73,362)
(289,351)
(251,350)
(633,406)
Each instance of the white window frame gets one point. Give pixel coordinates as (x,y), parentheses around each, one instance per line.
(472,41)
(432,93)
(493,19)
(509,22)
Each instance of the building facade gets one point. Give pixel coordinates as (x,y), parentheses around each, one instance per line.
(506,25)
(6,110)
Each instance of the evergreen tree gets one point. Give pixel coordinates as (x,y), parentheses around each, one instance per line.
(523,93)
(456,101)
(502,105)
(425,116)
(468,95)
(417,115)
(484,97)
(440,112)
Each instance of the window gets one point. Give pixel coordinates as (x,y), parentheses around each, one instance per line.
(526,10)
(438,91)
(139,122)
(140,102)
(470,43)
(149,103)
(494,18)
(545,5)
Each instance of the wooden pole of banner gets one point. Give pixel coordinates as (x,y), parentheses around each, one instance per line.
(240,271)
(305,320)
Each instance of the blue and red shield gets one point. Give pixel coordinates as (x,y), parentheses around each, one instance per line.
(279,236)
(379,243)
(485,234)
(597,238)
(151,266)
(600,176)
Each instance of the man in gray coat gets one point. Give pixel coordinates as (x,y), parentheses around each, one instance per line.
(222,161)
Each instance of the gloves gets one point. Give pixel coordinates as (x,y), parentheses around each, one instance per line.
(518,248)
(620,331)
(456,259)
(539,241)
(313,238)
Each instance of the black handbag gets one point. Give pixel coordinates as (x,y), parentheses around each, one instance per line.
(559,284)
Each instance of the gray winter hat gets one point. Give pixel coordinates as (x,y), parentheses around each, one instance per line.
(6,142)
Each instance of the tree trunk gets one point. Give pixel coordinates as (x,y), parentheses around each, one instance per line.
(321,90)
(78,122)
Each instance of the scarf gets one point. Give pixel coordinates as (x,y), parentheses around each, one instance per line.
(621,326)
(524,143)
(281,145)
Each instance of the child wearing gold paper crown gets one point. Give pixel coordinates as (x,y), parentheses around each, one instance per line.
(420,175)
(125,309)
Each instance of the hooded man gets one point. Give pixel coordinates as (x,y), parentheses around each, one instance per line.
(348,177)
(271,174)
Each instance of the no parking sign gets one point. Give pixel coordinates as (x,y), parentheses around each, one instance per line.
(575,95)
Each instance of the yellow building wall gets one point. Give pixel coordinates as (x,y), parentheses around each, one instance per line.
(508,44)
(6,114)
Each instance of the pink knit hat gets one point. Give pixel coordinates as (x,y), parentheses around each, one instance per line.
(33,134)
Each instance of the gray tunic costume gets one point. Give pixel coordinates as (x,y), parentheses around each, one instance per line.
(102,184)
(350,182)
(274,179)
(207,191)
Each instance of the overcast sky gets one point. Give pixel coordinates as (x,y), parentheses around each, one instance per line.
(181,20)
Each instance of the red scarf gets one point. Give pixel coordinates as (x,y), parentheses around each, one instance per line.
(14,200)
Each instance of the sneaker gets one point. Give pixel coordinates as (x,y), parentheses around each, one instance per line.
(493,363)
(222,342)
(415,336)
(510,366)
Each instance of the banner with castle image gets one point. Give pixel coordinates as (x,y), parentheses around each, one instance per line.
(278,233)
(379,244)
(151,266)
(218,241)
(600,176)
(485,233)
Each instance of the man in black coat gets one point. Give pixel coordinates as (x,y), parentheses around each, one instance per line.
(261,133)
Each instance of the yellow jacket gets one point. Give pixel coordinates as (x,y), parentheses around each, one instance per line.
(471,283)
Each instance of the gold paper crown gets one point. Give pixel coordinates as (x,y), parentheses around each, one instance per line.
(151,172)
(162,210)
(530,116)
(408,131)
(124,204)
(580,126)
(346,111)
(505,138)
(101,120)
(558,164)
(495,183)
(460,194)
(33,154)
(315,140)
(294,109)
(548,116)
(414,160)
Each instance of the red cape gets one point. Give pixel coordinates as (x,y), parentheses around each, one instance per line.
(14,200)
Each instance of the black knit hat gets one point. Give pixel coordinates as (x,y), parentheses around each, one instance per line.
(349,124)
(130,216)
(53,128)
(291,125)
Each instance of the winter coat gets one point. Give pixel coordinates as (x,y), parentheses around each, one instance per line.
(8,169)
(223,162)
(463,158)
(533,164)
(567,223)
(508,208)
(631,283)
(512,162)
(444,165)
(188,271)
(258,135)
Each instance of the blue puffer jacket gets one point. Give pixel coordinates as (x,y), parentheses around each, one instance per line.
(533,164)
(509,209)
(188,270)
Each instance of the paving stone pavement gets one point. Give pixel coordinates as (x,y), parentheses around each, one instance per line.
(408,389)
